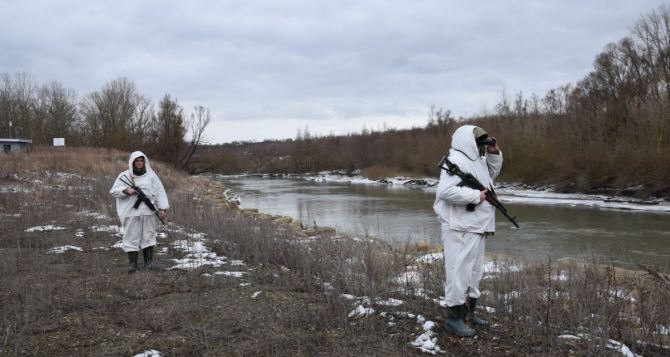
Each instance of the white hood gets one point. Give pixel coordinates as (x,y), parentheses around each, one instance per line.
(135,155)
(463,140)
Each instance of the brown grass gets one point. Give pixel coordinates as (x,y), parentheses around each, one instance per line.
(83,303)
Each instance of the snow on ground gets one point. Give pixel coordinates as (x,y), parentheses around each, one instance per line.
(62,249)
(234,274)
(47,228)
(149,353)
(410,278)
(14,189)
(611,344)
(389,302)
(427,341)
(10,215)
(362,311)
(430,258)
(107,228)
(495,267)
(96,215)
(197,255)
(663,330)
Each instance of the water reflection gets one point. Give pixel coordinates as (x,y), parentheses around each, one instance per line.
(406,215)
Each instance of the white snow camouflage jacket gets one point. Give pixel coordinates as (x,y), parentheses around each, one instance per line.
(149,183)
(450,200)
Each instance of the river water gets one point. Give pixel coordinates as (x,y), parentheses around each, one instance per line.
(551,225)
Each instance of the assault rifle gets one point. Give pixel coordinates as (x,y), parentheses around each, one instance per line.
(141,197)
(470,181)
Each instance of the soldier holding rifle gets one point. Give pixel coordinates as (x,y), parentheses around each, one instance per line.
(140,198)
(466,218)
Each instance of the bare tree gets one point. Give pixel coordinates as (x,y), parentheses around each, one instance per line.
(57,109)
(110,116)
(199,121)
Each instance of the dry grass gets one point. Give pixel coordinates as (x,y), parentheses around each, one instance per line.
(84,302)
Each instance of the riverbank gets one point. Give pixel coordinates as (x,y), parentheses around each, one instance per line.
(236,283)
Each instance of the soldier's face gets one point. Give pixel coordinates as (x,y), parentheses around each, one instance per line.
(138,163)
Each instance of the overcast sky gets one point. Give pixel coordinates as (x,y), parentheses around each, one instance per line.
(267,68)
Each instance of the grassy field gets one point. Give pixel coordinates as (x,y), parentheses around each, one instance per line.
(242,283)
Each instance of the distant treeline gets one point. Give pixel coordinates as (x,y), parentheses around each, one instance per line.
(116,116)
(609,130)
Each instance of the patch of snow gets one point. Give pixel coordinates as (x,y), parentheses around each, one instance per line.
(79,233)
(62,249)
(562,276)
(347,296)
(14,190)
(623,294)
(236,262)
(411,278)
(235,274)
(107,228)
(149,353)
(190,246)
(427,341)
(47,228)
(511,295)
(569,337)
(254,295)
(430,258)
(362,311)
(161,235)
(12,215)
(245,284)
(118,244)
(620,347)
(611,344)
(96,215)
(389,302)
(405,314)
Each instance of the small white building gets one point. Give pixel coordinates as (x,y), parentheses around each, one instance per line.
(14,146)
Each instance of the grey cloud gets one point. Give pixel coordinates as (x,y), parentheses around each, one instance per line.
(255,61)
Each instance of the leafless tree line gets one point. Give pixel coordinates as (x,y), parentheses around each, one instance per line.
(116,116)
(610,129)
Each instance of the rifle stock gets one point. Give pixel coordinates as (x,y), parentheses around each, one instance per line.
(468,180)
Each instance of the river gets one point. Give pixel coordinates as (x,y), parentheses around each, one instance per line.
(552,225)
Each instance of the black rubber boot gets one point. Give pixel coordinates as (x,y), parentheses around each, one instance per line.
(455,322)
(132,262)
(472,306)
(148,255)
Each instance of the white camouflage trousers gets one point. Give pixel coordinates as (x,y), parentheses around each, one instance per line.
(463,264)
(139,232)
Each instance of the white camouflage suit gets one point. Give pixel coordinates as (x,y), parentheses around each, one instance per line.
(139,224)
(463,232)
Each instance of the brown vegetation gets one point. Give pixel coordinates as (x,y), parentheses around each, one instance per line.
(83,302)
